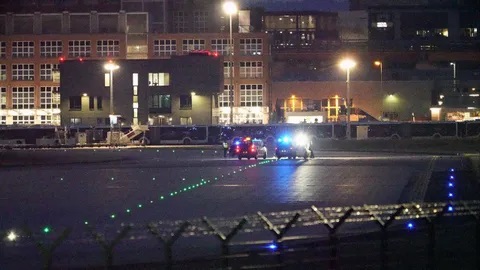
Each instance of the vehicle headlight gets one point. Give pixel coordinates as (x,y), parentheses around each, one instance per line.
(301,139)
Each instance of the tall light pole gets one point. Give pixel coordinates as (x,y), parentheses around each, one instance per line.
(230,8)
(380,64)
(454,75)
(347,64)
(110,66)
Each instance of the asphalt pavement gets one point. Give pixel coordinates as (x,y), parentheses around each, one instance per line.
(109,187)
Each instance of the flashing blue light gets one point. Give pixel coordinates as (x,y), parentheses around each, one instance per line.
(450,208)
(272,246)
(410,226)
(286,139)
(280,140)
(237,143)
(450,195)
(452,177)
(450,184)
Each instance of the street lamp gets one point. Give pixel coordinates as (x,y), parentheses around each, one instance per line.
(380,64)
(110,66)
(230,8)
(347,64)
(454,75)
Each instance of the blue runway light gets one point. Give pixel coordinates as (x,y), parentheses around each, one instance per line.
(452,177)
(452,169)
(450,195)
(410,226)
(272,246)
(450,184)
(450,208)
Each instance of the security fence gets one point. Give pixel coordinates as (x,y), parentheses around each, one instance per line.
(301,227)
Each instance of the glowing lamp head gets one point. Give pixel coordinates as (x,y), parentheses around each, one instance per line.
(377,63)
(347,64)
(110,66)
(12,236)
(230,7)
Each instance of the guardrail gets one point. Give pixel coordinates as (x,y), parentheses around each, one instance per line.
(277,223)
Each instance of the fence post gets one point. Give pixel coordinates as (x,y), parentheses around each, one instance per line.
(279,233)
(108,247)
(431,264)
(477,232)
(47,252)
(384,233)
(332,233)
(168,243)
(225,239)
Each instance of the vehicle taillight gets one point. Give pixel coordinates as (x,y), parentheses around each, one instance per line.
(237,149)
(252,149)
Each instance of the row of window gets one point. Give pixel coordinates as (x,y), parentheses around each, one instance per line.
(251,69)
(26,72)
(30,119)
(251,95)
(24,97)
(54,48)
(168,47)
(111,48)
(75,103)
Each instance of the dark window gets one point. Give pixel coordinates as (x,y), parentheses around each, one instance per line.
(99,103)
(91,103)
(160,103)
(76,103)
(100,121)
(185,102)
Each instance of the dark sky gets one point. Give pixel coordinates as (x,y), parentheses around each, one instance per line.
(274,5)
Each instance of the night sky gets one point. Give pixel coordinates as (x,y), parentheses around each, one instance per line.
(299,5)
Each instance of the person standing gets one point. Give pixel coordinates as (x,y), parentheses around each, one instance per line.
(225,148)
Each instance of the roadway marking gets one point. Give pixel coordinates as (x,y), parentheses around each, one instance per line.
(424,181)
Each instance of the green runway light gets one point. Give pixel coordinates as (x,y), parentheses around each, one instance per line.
(86,223)
(112,216)
(161,197)
(139,206)
(113,178)
(61,179)
(128,210)
(171,194)
(46,229)
(153,178)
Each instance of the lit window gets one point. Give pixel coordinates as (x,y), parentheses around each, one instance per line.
(49,97)
(135,79)
(382,24)
(226,69)
(224,98)
(251,95)
(158,79)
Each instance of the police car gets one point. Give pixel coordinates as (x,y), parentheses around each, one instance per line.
(246,149)
(292,148)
